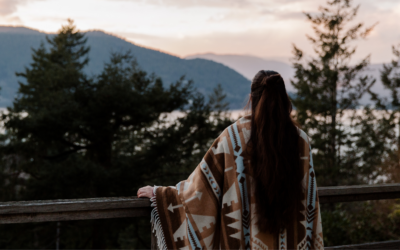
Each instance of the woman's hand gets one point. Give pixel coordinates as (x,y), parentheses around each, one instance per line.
(146,191)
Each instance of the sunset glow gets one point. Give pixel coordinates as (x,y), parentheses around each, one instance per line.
(265,28)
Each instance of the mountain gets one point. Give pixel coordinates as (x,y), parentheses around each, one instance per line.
(15,54)
(248,66)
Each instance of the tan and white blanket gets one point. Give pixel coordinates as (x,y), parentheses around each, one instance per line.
(215,207)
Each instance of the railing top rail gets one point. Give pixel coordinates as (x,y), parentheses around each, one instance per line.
(122,207)
(358,193)
(394,244)
(326,195)
(359,189)
(48,206)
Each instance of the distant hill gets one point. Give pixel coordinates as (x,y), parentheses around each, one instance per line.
(248,66)
(15,54)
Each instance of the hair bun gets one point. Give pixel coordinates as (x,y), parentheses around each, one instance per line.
(261,78)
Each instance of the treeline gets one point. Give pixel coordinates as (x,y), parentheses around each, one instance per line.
(351,144)
(70,135)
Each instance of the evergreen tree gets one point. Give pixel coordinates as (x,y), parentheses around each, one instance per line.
(80,137)
(351,143)
(329,89)
(390,76)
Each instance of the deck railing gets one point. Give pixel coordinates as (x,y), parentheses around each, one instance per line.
(119,207)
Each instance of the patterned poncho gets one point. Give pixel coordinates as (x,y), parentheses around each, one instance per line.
(215,207)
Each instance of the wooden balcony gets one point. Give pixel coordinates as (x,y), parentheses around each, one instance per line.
(119,207)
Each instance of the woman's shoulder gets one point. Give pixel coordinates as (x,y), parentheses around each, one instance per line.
(243,123)
(240,126)
(303,135)
(244,120)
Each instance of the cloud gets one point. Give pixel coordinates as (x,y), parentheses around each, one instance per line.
(253,5)
(221,3)
(251,42)
(134,36)
(258,27)
(246,4)
(290,15)
(8,7)
(202,3)
(14,20)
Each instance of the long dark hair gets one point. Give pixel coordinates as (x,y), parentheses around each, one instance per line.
(275,156)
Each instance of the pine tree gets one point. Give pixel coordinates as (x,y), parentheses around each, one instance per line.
(329,89)
(390,76)
(351,142)
(81,137)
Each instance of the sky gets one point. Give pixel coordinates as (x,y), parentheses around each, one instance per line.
(263,28)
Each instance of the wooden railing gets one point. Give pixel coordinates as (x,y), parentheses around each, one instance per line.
(107,208)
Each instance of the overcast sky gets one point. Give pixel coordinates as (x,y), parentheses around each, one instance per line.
(265,28)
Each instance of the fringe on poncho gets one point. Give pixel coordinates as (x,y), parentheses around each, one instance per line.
(215,207)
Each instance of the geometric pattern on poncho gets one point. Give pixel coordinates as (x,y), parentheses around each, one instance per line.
(215,207)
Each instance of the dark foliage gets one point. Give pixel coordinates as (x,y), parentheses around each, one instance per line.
(73,136)
(351,144)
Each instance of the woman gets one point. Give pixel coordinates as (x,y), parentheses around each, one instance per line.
(254,189)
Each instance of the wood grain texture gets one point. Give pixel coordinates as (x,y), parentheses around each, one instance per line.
(92,208)
(326,194)
(50,206)
(376,245)
(74,215)
(358,193)
(73,209)
(120,207)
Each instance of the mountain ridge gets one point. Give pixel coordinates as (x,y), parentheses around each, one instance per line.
(233,72)
(249,65)
(15,51)
(245,65)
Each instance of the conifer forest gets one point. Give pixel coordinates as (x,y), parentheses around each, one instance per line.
(69,134)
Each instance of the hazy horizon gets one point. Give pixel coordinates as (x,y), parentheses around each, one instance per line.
(262,28)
